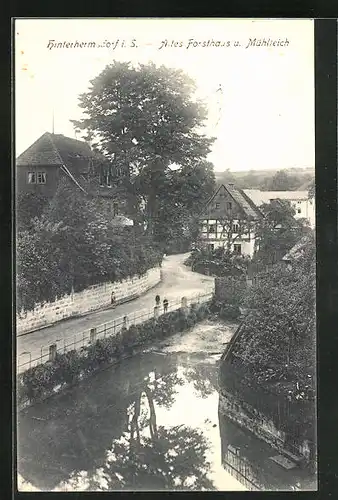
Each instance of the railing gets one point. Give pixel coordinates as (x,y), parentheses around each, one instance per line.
(103,330)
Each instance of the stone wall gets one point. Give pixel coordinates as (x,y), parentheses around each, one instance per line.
(259,424)
(90,299)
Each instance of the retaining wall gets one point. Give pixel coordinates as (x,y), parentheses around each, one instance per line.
(91,299)
(259,424)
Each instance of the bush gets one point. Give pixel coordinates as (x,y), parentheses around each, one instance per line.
(74,247)
(229,311)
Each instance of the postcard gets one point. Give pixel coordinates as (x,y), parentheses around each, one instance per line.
(165,254)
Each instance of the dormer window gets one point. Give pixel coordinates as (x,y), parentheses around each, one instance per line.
(217,206)
(41,177)
(229,205)
(31,178)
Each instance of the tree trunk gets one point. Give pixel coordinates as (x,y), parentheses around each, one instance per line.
(152,420)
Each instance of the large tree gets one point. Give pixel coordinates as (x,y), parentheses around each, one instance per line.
(146,119)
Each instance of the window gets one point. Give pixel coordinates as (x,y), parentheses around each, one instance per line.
(229,205)
(238,249)
(31,178)
(41,177)
(115,208)
(235,228)
(212,228)
(299,211)
(108,183)
(211,246)
(217,205)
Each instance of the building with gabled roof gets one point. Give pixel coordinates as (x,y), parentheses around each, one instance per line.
(52,157)
(300,201)
(228,220)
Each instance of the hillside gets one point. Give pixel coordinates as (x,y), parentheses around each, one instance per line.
(299,178)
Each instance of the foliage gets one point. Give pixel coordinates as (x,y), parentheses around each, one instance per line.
(275,350)
(225,310)
(218,262)
(68,368)
(147,122)
(281,181)
(172,459)
(72,246)
(181,199)
(28,207)
(296,179)
(278,231)
(122,444)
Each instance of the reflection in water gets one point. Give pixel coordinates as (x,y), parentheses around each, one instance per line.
(203,377)
(106,436)
(248,459)
(151,423)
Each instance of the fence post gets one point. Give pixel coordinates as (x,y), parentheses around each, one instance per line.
(52,352)
(92,335)
(105,330)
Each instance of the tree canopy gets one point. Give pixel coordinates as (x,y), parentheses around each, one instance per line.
(282,181)
(146,120)
(278,231)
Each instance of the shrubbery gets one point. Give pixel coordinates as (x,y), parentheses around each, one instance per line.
(225,310)
(39,382)
(218,262)
(274,356)
(73,245)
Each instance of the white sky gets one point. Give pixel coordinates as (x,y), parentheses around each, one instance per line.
(267,104)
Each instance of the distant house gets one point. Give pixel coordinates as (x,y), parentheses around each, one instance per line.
(303,205)
(228,220)
(53,157)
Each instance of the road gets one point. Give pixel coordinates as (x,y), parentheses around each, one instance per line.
(150,423)
(177,281)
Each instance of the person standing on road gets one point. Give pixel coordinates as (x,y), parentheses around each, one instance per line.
(157,300)
(113,299)
(165,305)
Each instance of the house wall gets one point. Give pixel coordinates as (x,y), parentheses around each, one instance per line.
(305,209)
(48,189)
(218,207)
(90,299)
(218,240)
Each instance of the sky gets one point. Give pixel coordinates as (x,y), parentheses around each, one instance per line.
(260,99)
